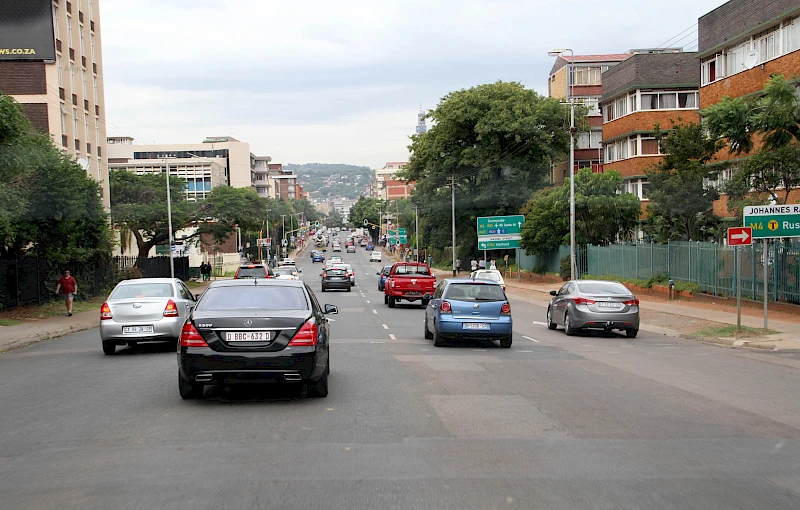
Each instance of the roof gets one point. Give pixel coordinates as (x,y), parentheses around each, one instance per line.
(562,61)
(737,18)
(652,70)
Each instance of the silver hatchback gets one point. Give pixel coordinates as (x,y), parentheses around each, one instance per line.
(144,310)
(593,304)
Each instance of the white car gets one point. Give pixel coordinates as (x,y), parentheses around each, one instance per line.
(375,257)
(288,262)
(335,260)
(489,274)
(286,273)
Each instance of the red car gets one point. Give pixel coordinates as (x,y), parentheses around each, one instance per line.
(411,281)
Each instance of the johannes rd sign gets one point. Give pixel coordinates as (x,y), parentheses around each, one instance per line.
(769,221)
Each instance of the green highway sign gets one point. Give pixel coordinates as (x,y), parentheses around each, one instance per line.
(397,236)
(769,221)
(500,232)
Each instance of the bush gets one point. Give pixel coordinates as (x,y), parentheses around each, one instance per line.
(542,269)
(565,268)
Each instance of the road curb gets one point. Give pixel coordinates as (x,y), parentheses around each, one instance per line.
(34,338)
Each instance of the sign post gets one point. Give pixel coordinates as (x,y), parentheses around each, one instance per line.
(742,236)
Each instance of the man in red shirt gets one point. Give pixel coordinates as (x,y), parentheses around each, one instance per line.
(67,287)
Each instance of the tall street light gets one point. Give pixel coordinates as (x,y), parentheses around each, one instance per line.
(559,52)
(169,223)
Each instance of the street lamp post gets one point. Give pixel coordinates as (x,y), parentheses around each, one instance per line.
(283,230)
(453,213)
(416,230)
(169,224)
(557,53)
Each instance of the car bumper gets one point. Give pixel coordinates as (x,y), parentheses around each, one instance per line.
(336,285)
(307,362)
(604,320)
(451,328)
(167,328)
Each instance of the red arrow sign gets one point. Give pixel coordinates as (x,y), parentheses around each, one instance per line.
(740,236)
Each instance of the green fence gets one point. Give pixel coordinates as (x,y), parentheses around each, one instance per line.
(711,266)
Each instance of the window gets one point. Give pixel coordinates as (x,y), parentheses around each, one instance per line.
(69,31)
(687,99)
(712,69)
(591,104)
(633,143)
(63,119)
(75,122)
(94,81)
(632,102)
(669,100)
(585,75)
(589,140)
(83,47)
(767,44)
(60,71)
(86,126)
(72,77)
(55,21)
(615,109)
(735,57)
(649,145)
(91,10)
(91,40)
(83,73)
(791,35)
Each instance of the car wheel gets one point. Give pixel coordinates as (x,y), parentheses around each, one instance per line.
(349,287)
(392,302)
(567,325)
(428,334)
(323,288)
(109,348)
(425,302)
(550,323)
(318,388)
(438,341)
(631,333)
(189,390)
(505,343)
(385,299)
(173,344)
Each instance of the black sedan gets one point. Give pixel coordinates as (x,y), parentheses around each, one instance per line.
(255,331)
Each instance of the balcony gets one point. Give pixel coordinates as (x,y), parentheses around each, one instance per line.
(261,182)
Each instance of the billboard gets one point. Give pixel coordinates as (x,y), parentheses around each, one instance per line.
(26,30)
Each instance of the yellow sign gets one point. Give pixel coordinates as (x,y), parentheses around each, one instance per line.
(772,225)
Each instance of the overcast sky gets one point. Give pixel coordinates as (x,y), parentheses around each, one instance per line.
(342,82)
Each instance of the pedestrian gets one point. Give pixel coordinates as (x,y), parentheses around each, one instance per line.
(473,264)
(482,264)
(202,271)
(206,271)
(430,260)
(458,266)
(492,265)
(67,287)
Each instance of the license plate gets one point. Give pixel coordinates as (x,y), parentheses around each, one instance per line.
(607,304)
(475,325)
(137,329)
(413,293)
(247,336)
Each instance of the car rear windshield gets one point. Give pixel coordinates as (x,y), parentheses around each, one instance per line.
(603,288)
(283,271)
(404,269)
(336,271)
(142,290)
(252,272)
(474,292)
(255,297)
(489,276)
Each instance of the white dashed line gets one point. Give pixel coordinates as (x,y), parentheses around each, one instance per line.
(392,336)
(385,326)
(478,350)
(374,311)
(376,342)
(367,301)
(702,354)
(540,323)
(531,339)
(524,351)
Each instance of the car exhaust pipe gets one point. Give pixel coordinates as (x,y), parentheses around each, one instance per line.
(203,377)
(292,377)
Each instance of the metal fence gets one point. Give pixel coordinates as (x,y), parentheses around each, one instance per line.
(709,265)
(32,280)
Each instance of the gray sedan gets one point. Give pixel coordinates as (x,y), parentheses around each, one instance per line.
(593,304)
(144,310)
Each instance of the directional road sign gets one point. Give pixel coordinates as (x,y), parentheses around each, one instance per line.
(500,232)
(768,221)
(740,236)
(397,236)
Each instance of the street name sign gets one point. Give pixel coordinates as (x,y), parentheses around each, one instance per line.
(740,236)
(500,232)
(770,221)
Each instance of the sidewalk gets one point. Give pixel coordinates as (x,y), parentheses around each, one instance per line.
(786,338)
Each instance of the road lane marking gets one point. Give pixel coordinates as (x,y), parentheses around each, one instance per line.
(524,351)
(701,354)
(385,326)
(531,339)
(540,323)
(376,342)
(367,301)
(392,336)
(374,311)
(478,350)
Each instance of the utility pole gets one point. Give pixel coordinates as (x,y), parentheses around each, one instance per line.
(416,229)
(169,224)
(453,213)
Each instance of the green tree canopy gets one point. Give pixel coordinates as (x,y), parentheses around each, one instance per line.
(681,198)
(603,213)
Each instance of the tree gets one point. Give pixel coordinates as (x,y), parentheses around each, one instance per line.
(603,213)
(773,117)
(366,208)
(681,200)
(335,218)
(496,141)
(225,208)
(139,205)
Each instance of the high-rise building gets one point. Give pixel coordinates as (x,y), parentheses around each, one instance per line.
(421,127)
(51,62)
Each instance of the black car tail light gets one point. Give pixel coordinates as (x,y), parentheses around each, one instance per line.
(305,336)
(190,337)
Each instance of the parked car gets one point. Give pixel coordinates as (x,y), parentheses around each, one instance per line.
(253,271)
(593,304)
(241,332)
(335,278)
(376,256)
(383,274)
(489,274)
(144,310)
(468,309)
(410,281)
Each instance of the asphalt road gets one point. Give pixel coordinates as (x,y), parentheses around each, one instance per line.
(593,421)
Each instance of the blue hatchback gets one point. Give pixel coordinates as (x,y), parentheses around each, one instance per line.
(318,257)
(384,274)
(370,247)
(463,308)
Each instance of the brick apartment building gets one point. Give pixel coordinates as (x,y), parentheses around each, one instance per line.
(646,89)
(584,73)
(61,86)
(741,44)
(387,186)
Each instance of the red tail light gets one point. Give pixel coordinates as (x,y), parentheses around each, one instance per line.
(445,308)
(505,309)
(583,301)
(171,310)
(190,337)
(633,301)
(105,312)
(306,336)
(325,274)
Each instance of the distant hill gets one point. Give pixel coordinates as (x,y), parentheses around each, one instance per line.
(325,180)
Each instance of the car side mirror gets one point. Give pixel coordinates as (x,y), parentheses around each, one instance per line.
(299,270)
(378,273)
(331,310)
(553,293)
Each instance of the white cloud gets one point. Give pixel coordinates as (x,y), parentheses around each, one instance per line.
(341,81)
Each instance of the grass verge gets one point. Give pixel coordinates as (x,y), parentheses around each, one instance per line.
(730,332)
(54,308)
(9,322)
